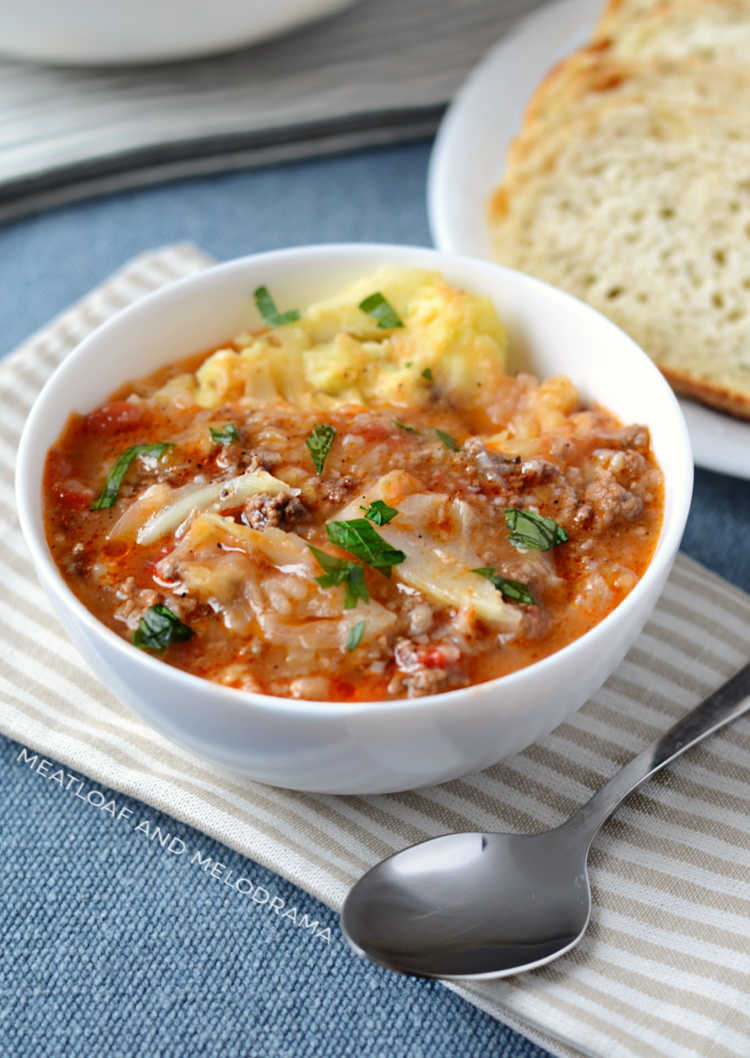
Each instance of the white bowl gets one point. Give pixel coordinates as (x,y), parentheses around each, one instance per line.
(89,32)
(374,746)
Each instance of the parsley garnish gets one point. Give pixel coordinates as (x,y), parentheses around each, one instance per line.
(110,492)
(355,635)
(427,373)
(532,532)
(267,308)
(224,435)
(447,440)
(381,310)
(379,512)
(405,426)
(514,590)
(360,539)
(340,571)
(159,627)
(319,444)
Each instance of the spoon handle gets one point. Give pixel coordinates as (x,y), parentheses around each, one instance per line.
(727,703)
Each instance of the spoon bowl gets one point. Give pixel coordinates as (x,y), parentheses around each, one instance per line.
(472,905)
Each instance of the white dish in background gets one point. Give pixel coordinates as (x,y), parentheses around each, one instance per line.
(94,32)
(367,747)
(468,160)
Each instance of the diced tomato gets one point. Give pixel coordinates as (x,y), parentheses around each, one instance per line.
(115,416)
(74,497)
(433,658)
(58,465)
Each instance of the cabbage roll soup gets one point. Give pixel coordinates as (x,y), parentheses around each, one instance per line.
(352,501)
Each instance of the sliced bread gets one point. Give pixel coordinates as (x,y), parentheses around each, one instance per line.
(590,76)
(537,145)
(644,212)
(711,30)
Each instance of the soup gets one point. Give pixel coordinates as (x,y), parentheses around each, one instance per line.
(353,502)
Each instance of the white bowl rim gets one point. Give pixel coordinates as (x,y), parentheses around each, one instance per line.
(666,547)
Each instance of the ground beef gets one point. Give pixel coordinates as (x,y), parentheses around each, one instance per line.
(426,668)
(611,502)
(135,602)
(279,512)
(626,464)
(500,470)
(515,476)
(78,562)
(338,489)
(413,656)
(426,681)
(246,460)
(637,437)
(593,507)
(539,472)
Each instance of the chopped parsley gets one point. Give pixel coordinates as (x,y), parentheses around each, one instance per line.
(360,539)
(379,512)
(355,635)
(405,426)
(159,627)
(224,435)
(267,308)
(339,571)
(447,440)
(532,532)
(427,373)
(319,444)
(111,490)
(381,310)
(513,590)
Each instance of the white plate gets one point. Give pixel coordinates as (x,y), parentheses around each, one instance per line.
(468,161)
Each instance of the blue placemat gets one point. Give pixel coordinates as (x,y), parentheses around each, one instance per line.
(114,946)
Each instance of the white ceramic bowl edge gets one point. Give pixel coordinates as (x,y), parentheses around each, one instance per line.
(367,747)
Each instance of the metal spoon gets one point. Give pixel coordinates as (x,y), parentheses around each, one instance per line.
(490,905)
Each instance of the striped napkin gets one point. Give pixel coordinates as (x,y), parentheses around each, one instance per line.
(665,966)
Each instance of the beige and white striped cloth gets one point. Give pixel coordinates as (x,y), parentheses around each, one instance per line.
(664,969)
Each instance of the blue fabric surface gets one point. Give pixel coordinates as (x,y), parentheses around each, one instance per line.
(112,946)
